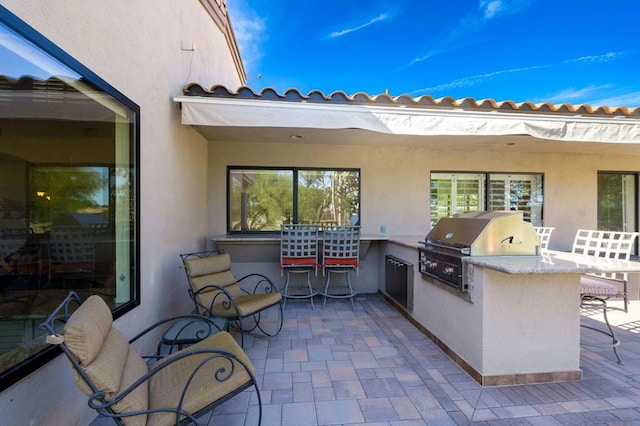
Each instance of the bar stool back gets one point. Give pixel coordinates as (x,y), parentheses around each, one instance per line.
(340,255)
(299,255)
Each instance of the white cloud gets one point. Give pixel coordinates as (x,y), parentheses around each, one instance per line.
(630,100)
(494,8)
(491,8)
(250,31)
(609,56)
(472,23)
(340,33)
(562,97)
(576,96)
(472,80)
(593,95)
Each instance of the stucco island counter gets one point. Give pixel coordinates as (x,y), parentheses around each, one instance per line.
(519,322)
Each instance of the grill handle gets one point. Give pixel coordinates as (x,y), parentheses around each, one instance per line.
(461,250)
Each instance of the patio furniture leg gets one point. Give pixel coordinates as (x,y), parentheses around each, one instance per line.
(350,292)
(600,303)
(311,291)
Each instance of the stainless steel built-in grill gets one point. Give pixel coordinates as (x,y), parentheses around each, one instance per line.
(497,233)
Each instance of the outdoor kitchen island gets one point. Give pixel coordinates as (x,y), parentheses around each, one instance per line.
(519,321)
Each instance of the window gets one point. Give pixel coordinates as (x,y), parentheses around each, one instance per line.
(68,191)
(617,201)
(453,193)
(260,199)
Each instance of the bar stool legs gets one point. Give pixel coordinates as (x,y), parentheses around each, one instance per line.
(350,292)
(310,291)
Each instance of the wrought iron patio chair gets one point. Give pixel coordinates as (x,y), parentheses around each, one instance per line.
(174,389)
(597,288)
(340,255)
(544,233)
(216,292)
(298,255)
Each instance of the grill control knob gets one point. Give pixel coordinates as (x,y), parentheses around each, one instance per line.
(448,270)
(431,264)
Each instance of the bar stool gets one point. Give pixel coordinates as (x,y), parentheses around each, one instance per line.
(340,255)
(299,255)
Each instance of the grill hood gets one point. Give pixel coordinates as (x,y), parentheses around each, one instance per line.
(495,233)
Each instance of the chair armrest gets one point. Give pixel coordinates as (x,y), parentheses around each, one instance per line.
(218,373)
(221,374)
(263,284)
(223,298)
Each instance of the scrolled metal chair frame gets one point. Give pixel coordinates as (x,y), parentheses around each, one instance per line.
(264,285)
(97,400)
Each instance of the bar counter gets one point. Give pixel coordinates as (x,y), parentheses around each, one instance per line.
(520,321)
(255,253)
(553,262)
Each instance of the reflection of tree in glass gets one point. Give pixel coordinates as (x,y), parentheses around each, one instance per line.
(269,201)
(345,197)
(64,191)
(311,196)
(327,196)
(261,200)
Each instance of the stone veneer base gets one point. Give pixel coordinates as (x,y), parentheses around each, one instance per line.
(499,380)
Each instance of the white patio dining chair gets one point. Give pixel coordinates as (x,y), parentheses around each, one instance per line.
(597,288)
(544,233)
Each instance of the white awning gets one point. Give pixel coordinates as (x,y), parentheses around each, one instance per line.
(398,120)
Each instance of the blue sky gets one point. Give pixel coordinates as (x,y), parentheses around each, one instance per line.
(558,51)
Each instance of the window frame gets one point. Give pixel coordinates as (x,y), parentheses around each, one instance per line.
(486,190)
(295,173)
(636,202)
(14,23)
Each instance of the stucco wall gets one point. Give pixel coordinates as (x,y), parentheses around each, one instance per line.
(395,180)
(136,47)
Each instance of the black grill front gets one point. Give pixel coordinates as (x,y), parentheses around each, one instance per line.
(444,265)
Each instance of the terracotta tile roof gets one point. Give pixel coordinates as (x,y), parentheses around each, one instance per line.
(426,101)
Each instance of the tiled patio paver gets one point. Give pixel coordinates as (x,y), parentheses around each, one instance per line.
(370,366)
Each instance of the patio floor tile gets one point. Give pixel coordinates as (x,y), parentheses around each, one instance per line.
(338,412)
(370,366)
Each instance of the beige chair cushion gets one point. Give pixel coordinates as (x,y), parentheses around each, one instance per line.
(167,385)
(134,368)
(212,270)
(248,304)
(221,279)
(208,265)
(87,329)
(105,371)
(106,357)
